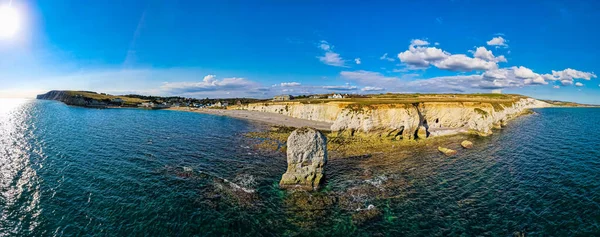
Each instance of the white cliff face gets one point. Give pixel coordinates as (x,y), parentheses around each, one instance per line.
(324,112)
(404,120)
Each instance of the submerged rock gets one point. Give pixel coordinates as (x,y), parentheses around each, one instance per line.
(466,144)
(368,214)
(447,151)
(306,158)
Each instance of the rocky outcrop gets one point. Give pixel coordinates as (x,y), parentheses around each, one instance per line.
(406,121)
(306,158)
(466,144)
(447,151)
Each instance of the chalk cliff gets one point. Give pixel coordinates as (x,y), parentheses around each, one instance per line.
(406,120)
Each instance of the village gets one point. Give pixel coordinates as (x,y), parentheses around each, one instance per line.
(102,100)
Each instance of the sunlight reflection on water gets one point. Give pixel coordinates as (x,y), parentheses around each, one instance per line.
(18,180)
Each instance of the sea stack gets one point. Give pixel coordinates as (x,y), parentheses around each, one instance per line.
(306,158)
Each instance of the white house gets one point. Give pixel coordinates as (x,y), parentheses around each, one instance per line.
(220,104)
(335,96)
(146,105)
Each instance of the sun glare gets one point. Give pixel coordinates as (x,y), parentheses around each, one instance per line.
(9,21)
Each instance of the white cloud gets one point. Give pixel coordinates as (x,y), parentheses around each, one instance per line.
(514,77)
(209,79)
(536,80)
(579,84)
(289,84)
(459,83)
(523,72)
(570,74)
(566,82)
(498,41)
(330,58)
(461,62)
(567,76)
(357,60)
(368,78)
(421,57)
(496,74)
(341,88)
(324,45)
(483,53)
(208,84)
(556,87)
(418,42)
(495,79)
(385,57)
(371,88)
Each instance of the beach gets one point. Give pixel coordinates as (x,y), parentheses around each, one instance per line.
(265,117)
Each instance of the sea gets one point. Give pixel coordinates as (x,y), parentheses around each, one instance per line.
(71,171)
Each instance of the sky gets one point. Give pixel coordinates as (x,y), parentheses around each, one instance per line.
(545,49)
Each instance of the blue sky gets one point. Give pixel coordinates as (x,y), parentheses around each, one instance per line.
(544,49)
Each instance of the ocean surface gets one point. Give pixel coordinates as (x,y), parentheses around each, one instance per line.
(68,171)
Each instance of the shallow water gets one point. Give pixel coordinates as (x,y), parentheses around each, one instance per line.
(75,171)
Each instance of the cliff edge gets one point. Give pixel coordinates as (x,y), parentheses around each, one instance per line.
(407,119)
(89,99)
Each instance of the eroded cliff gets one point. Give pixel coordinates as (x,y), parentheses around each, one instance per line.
(406,121)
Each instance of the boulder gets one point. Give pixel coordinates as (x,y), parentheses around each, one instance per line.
(306,158)
(446,151)
(466,144)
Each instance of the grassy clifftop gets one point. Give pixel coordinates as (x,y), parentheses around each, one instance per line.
(383,99)
(103,96)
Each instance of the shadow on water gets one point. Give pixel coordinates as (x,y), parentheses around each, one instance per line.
(75,171)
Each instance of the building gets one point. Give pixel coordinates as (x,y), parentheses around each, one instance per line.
(283,98)
(146,105)
(335,96)
(220,104)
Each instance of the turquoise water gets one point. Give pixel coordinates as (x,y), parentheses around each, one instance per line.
(74,171)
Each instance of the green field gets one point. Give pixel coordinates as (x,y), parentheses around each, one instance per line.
(102,96)
(419,98)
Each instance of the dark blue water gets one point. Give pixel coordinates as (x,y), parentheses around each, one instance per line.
(74,171)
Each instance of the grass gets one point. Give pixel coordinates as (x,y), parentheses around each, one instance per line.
(99,97)
(568,104)
(500,100)
(481,112)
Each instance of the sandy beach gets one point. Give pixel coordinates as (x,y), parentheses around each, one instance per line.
(270,118)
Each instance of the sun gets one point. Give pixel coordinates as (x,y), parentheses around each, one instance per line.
(9,21)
